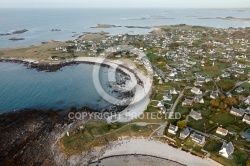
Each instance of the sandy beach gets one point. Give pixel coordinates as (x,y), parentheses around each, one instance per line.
(153,148)
(138,160)
(142,93)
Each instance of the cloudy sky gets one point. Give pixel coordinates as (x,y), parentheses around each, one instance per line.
(126,3)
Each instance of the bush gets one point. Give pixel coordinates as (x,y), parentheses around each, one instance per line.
(240,158)
(226,84)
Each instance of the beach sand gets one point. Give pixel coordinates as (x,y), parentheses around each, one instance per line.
(154,148)
(137,160)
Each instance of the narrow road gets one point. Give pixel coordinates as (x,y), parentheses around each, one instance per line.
(237,84)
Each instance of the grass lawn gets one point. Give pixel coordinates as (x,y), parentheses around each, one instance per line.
(152,109)
(152,57)
(189,144)
(222,118)
(183,110)
(158,96)
(245,85)
(79,141)
(212,146)
(206,113)
(198,125)
(240,158)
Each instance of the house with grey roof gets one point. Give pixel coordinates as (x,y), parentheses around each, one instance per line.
(247,100)
(239,90)
(187,102)
(195,115)
(196,91)
(198,138)
(167,97)
(246,119)
(214,95)
(227,150)
(237,112)
(172,129)
(199,99)
(184,133)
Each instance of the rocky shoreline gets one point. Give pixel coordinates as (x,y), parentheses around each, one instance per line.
(28,136)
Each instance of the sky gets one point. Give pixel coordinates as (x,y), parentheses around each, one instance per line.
(125,3)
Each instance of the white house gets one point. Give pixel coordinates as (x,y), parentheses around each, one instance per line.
(247,100)
(195,115)
(184,133)
(237,112)
(199,99)
(172,129)
(173,92)
(198,138)
(214,95)
(221,131)
(160,104)
(167,97)
(226,150)
(187,102)
(246,119)
(196,91)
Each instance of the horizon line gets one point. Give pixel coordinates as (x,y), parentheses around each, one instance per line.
(125,7)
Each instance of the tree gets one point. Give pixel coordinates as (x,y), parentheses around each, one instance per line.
(155,50)
(240,158)
(182,124)
(211,122)
(222,106)
(231,101)
(226,84)
(214,103)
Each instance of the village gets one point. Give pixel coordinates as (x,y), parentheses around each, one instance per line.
(202,73)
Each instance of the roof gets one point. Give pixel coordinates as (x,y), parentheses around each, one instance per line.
(221,130)
(197,137)
(239,89)
(195,89)
(247,118)
(196,115)
(214,94)
(229,147)
(199,97)
(188,101)
(237,111)
(185,131)
(172,127)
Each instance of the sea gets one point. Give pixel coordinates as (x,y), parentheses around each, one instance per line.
(75,22)
(72,86)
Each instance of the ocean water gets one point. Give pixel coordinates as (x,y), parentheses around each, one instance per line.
(72,86)
(39,22)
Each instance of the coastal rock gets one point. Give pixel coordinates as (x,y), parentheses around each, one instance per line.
(53,30)
(20,31)
(16,39)
(27,136)
(14,32)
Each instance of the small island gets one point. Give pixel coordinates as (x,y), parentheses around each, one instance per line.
(105,26)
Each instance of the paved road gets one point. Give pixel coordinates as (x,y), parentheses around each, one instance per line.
(237,84)
(160,130)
